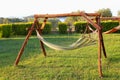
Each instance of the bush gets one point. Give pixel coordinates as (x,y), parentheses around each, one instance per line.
(62,28)
(80,27)
(20,28)
(27,27)
(23,28)
(0,31)
(107,25)
(6,30)
(47,28)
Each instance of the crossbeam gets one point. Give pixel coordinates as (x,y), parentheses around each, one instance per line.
(110,18)
(64,15)
(84,15)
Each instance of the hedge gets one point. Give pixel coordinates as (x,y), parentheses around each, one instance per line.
(47,28)
(23,28)
(6,30)
(107,25)
(20,28)
(80,27)
(0,31)
(62,28)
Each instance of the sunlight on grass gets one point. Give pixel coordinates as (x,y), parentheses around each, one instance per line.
(79,64)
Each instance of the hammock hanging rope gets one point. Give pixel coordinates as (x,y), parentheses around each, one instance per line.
(81,42)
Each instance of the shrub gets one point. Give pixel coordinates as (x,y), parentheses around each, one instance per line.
(20,28)
(80,27)
(0,31)
(107,25)
(62,28)
(6,30)
(27,27)
(47,28)
(23,28)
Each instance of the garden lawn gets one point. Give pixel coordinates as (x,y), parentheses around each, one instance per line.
(79,64)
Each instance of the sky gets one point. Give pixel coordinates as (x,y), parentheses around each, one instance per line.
(22,8)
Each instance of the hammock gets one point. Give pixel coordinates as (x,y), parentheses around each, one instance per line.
(81,42)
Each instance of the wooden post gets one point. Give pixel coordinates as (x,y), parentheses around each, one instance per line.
(97,26)
(99,54)
(42,45)
(100,45)
(102,42)
(24,44)
(40,32)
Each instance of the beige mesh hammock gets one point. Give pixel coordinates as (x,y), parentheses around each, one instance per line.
(84,40)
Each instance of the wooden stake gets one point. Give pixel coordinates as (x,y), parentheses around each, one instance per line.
(24,44)
(99,54)
(101,36)
(97,26)
(40,32)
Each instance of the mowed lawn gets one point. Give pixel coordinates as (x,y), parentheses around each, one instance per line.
(79,64)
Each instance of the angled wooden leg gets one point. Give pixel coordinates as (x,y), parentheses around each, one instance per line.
(97,26)
(101,36)
(24,44)
(103,47)
(43,48)
(42,45)
(99,55)
(40,32)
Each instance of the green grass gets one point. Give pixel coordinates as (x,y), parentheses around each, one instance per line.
(79,64)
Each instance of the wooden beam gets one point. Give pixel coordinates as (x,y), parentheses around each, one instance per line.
(63,15)
(90,21)
(40,32)
(24,44)
(110,18)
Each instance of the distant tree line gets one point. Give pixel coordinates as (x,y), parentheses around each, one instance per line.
(10,20)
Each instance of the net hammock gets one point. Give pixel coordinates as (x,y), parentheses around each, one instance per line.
(84,40)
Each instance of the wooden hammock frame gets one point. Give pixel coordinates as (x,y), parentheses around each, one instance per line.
(97,25)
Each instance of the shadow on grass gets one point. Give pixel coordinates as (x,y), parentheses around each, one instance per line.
(114,59)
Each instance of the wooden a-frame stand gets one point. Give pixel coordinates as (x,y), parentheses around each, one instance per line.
(85,15)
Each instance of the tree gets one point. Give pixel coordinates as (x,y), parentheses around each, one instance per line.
(54,22)
(74,19)
(1,20)
(105,12)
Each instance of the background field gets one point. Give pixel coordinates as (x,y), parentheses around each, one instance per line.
(79,64)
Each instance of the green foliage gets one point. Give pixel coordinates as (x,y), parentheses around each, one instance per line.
(80,27)
(62,28)
(20,28)
(105,12)
(28,26)
(0,31)
(10,20)
(6,30)
(23,28)
(107,25)
(47,28)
